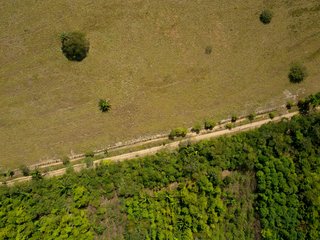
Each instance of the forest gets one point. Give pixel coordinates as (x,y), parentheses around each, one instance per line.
(262,184)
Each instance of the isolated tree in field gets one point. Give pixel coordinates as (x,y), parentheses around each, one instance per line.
(266,16)
(104,105)
(75,46)
(297,73)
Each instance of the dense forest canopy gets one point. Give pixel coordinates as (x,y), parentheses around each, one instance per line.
(260,184)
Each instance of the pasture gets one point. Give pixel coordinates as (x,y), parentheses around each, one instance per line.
(148,58)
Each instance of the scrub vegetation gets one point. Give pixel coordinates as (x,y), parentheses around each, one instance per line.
(259,184)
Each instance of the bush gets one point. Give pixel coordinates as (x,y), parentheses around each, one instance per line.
(297,73)
(89,154)
(74,46)
(178,132)
(209,124)
(289,105)
(234,118)
(208,50)
(11,173)
(25,170)
(65,160)
(229,126)
(104,105)
(251,117)
(89,162)
(266,16)
(272,115)
(36,175)
(196,128)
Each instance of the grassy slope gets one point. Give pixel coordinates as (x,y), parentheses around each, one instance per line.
(148,58)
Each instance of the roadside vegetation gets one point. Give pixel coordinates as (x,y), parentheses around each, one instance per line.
(263,183)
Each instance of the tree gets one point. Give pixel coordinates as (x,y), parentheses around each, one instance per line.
(297,73)
(229,126)
(178,132)
(104,105)
(266,16)
(25,170)
(196,128)
(289,105)
(209,124)
(36,175)
(234,118)
(65,160)
(75,46)
(251,117)
(272,115)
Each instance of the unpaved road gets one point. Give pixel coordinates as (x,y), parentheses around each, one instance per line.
(153,150)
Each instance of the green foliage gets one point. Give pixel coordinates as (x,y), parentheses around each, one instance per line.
(229,126)
(289,105)
(104,105)
(251,117)
(65,160)
(234,118)
(297,73)
(272,115)
(75,46)
(181,194)
(306,104)
(89,162)
(178,132)
(89,154)
(36,175)
(266,16)
(25,170)
(196,128)
(209,124)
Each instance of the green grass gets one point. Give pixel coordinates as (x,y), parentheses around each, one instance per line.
(148,58)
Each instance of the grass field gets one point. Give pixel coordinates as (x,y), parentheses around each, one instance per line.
(148,58)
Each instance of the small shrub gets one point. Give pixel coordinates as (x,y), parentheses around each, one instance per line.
(178,132)
(106,153)
(70,169)
(229,126)
(266,16)
(89,154)
(104,105)
(89,162)
(65,160)
(234,118)
(11,173)
(272,115)
(75,46)
(209,124)
(208,50)
(36,175)
(304,106)
(289,105)
(251,117)
(196,128)
(297,73)
(25,170)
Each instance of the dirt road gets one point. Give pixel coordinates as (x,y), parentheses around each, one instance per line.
(153,150)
